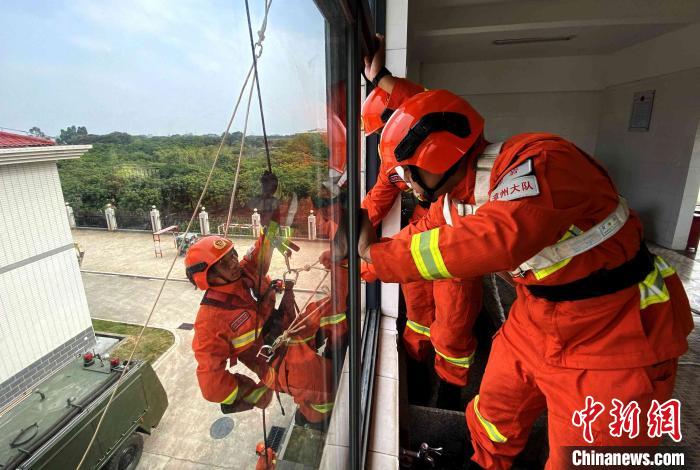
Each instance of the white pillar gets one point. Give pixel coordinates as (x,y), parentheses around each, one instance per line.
(204,222)
(111,217)
(312,226)
(255,222)
(155,219)
(71,215)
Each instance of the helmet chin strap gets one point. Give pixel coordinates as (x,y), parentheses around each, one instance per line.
(428,191)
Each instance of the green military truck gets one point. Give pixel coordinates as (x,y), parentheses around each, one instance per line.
(51,428)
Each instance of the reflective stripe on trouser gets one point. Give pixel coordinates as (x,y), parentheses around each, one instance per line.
(518,386)
(332,319)
(490,428)
(457,305)
(427,257)
(301,340)
(420,313)
(652,290)
(322,407)
(231,398)
(255,394)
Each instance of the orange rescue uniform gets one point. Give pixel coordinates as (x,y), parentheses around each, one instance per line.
(551,354)
(267,461)
(228,328)
(232,331)
(440,314)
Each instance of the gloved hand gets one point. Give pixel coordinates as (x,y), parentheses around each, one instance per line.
(325,259)
(273,234)
(367,272)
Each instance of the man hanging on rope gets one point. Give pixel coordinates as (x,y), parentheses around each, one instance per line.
(267,458)
(230,321)
(236,317)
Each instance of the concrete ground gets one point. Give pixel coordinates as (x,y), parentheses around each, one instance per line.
(182,440)
(129,252)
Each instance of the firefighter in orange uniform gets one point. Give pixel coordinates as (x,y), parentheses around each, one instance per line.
(236,316)
(267,458)
(596,313)
(440,314)
(229,323)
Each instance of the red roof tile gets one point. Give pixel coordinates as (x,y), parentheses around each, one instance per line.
(8,140)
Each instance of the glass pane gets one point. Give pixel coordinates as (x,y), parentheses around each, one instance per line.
(222,241)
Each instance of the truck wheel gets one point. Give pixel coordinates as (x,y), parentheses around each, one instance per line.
(128,455)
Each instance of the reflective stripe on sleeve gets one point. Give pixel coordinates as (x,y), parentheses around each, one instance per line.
(427,257)
(418,328)
(490,428)
(458,361)
(332,319)
(322,407)
(231,398)
(245,339)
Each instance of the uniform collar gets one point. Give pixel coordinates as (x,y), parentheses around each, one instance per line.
(464,190)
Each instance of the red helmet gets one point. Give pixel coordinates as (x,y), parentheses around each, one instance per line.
(375,111)
(379,105)
(432,130)
(203,255)
(260,448)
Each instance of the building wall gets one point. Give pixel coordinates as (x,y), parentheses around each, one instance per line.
(550,94)
(659,170)
(588,99)
(653,169)
(396,48)
(42,301)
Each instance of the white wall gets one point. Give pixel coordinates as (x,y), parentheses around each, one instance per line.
(550,94)
(573,115)
(396,39)
(653,169)
(588,99)
(42,300)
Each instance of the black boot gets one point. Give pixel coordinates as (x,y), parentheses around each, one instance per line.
(419,380)
(449,396)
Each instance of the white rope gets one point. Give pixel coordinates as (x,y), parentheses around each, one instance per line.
(238,165)
(261,35)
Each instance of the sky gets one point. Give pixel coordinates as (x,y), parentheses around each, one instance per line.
(157,67)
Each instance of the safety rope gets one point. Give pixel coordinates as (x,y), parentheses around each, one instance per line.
(261,38)
(238,164)
(261,35)
(299,322)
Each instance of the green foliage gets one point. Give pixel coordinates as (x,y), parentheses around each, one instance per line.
(36,132)
(135,172)
(71,134)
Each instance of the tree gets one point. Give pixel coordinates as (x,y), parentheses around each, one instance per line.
(36,132)
(72,134)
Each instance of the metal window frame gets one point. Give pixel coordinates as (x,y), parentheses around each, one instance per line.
(360,26)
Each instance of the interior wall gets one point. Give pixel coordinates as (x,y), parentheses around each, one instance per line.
(588,99)
(572,115)
(658,171)
(653,169)
(550,94)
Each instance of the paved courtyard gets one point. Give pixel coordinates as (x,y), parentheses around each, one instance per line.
(126,293)
(122,277)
